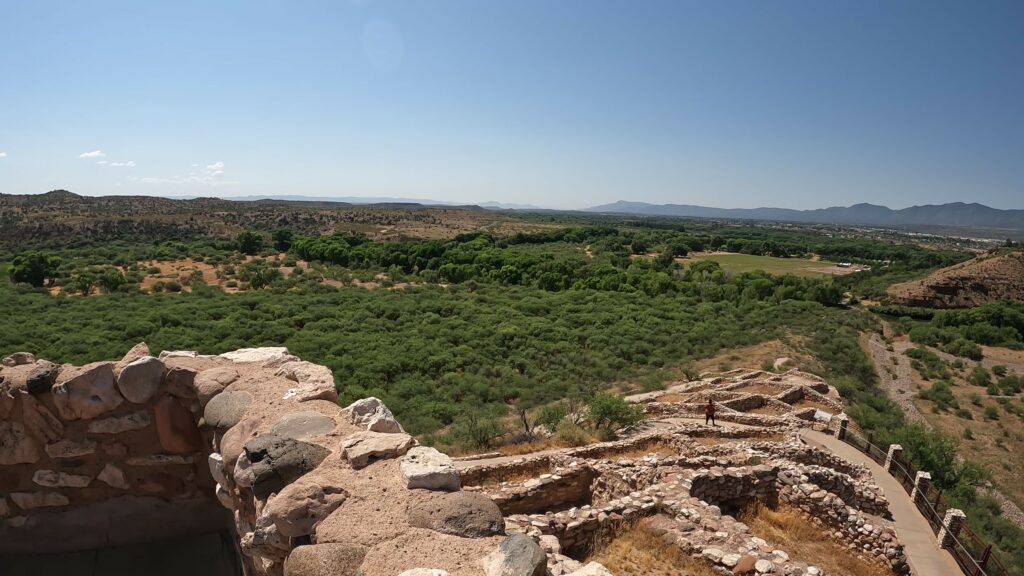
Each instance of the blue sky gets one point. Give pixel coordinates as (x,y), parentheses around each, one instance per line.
(550,102)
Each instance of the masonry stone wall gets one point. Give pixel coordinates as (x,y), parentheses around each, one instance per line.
(103,446)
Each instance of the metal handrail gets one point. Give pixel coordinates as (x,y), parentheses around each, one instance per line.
(967,562)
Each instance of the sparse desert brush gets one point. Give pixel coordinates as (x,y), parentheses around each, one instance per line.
(791,530)
(635,550)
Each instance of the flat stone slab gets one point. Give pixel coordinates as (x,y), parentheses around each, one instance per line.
(299,425)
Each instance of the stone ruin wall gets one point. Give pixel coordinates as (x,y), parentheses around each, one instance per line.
(252,442)
(107,453)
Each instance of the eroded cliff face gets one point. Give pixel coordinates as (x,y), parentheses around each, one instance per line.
(983,280)
(151,448)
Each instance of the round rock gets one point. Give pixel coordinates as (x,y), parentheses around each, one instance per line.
(226,409)
(325,560)
(140,379)
(466,514)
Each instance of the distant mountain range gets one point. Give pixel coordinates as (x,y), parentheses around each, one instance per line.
(956,214)
(377,200)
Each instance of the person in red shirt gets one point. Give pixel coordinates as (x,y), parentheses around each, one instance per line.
(709,412)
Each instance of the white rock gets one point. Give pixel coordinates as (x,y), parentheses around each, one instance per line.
(315,382)
(113,476)
(178,354)
(764,566)
(592,569)
(271,356)
(70,448)
(424,572)
(224,497)
(372,414)
(425,467)
(216,463)
(55,479)
(30,500)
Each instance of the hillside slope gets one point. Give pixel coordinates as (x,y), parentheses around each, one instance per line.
(988,278)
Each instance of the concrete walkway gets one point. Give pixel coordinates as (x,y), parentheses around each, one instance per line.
(923,552)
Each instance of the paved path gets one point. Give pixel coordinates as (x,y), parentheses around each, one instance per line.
(919,543)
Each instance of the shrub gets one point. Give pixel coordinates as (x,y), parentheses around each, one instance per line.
(968,435)
(571,434)
(991,413)
(551,416)
(964,413)
(999,370)
(608,411)
(979,376)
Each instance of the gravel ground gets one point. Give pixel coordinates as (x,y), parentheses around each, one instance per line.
(893,370)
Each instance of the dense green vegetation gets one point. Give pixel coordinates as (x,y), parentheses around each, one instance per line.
(529,325)
(962,332)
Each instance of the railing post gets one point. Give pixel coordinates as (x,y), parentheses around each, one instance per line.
(841,428)
(951,527)
(984,560)
(895,452)
(921,483)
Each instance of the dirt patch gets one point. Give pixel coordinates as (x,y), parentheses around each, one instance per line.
(672,398)
(764,353)
(758,389)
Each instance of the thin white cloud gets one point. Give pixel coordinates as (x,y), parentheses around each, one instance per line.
(93,154)
(215,169)
(128,164)
(101,162)
(3,155)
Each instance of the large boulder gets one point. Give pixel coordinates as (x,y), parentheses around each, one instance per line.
(517,555)
(19,358)
(225,410)
(139,380)
(140,350)
(86,392)
(325,560)
(41,378)
(363,448)
(175,427)
(276,461)
(300,425)
(312,381)
(425,467)
(302,505)
(372,414)
(465,514)
(16,446)
(212,382)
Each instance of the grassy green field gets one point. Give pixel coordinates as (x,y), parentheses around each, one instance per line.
(737,263)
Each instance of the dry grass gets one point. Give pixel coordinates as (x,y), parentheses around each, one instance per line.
(753,356)
(636,551)
(789,529)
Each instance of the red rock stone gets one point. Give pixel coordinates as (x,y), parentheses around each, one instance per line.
(175,427)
